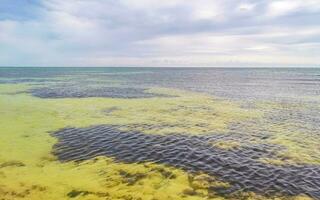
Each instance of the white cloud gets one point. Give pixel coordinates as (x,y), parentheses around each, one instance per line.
(207,10)
(286,7)
(246,7)
(164,32)
(279,8)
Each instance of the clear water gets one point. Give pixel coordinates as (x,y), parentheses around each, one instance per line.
(287,135)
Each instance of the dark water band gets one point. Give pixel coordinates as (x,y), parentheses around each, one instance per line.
(239,166)
(86,91)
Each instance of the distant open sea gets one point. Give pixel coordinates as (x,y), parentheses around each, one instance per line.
(290,84)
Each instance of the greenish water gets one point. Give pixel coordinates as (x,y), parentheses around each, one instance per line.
(159,133)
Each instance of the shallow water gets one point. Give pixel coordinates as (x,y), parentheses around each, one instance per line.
(238,166)
(218,133)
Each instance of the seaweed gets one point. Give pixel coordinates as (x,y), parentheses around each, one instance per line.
(256,128)
(240,167)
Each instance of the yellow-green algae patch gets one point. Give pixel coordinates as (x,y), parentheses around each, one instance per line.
(29,171)
(301,140)
(13,88)
(190,113)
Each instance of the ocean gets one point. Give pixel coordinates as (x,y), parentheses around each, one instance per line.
(161,133)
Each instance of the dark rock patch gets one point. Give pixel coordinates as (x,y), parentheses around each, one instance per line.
(76,193)
(12,164)
(131,179)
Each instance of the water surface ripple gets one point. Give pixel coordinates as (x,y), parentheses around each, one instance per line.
(240,166)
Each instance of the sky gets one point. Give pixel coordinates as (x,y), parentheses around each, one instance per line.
(160,33)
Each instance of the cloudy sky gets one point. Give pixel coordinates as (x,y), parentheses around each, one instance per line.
(160,33)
